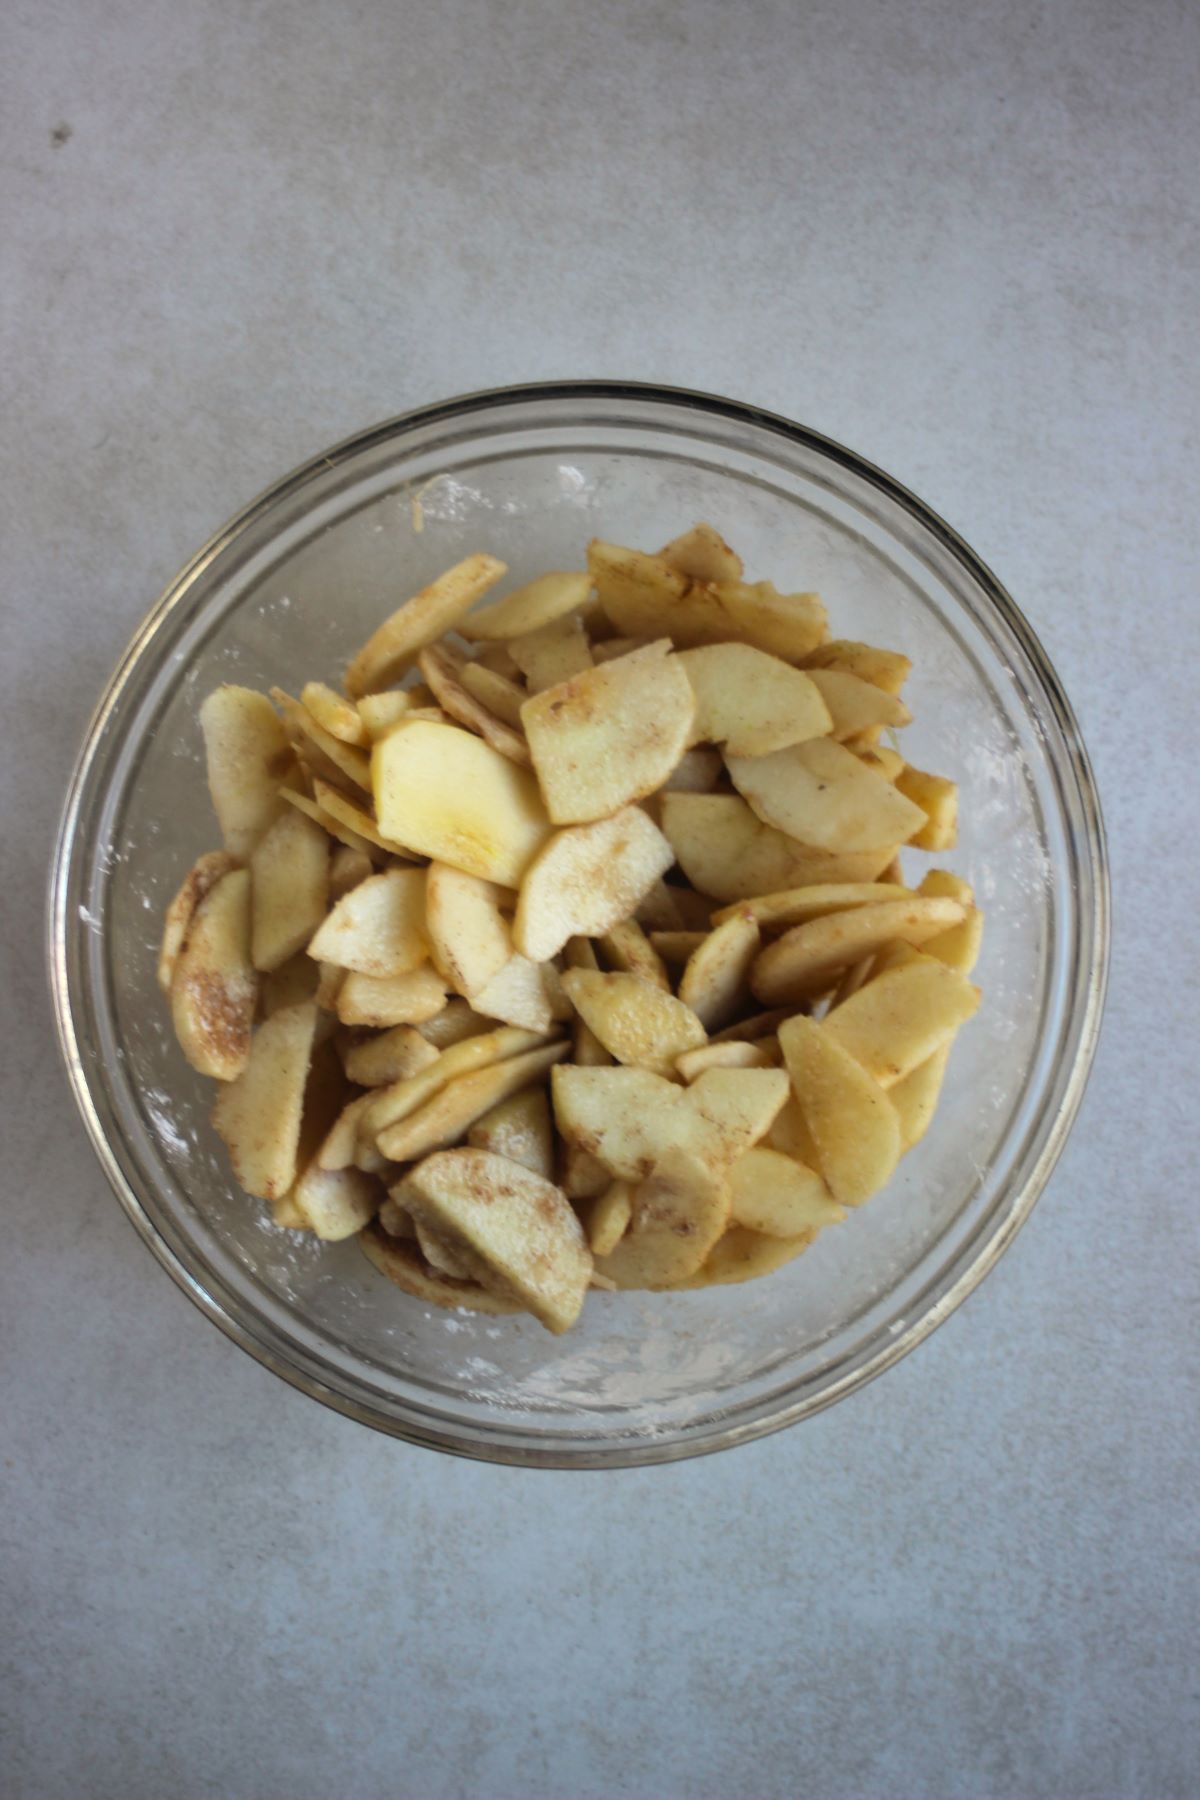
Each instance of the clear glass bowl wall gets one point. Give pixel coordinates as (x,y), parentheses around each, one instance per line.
(283,595)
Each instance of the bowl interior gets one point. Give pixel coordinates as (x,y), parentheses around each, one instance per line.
(286,596)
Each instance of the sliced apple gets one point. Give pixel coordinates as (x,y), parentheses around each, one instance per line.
(394,647)
(258,1114)
(780,1197)
(728,853)
(346,869)
(503,697)
(524,993)
(645,595)
(384,1000)
(444,671)
(822,794)
(378,928)
(455,799)
(214,986)
(886,669)
(450,1114)
(338,716)
(716,980)
(637,1022)
(469,934)
(678,1212)
(853,1124)
(937,799)
(248,755)
(588,878)
(744,1255)
(796,906)
(389,1056)
(703,554)
(856,705)
(289,888)
(553,654)
(807,958)
(403,1097)
(519,1128)
(401,1261)
(200,878)
(528,608)
(516,1228)
(324,755)
(900,1018)
(732,1055)
(606,1219)
(628,949)
(609,736)
(751,702)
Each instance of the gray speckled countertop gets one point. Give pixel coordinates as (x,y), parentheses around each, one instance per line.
(964,240)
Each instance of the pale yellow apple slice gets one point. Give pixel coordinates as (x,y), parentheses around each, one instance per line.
(644,596)
(703,554)
(200,878)
(449,1115)
(214,986)
(469,935)
(745,1255)
(796,906)
(856,705)
(336,1203)
(780,1197)
(394,647)
(886,669)
(807,958)
(900,1018)
(401,1261)
(517,1228)
(519,1128)
(627,948)
(937,799)
(552,654)
(636,1022)
(389,1056)
(338,716)
(403,1097)
(524,993)
(346,869)
(289,883)
(503,697)
(528,608)
(728,853)
(325,755)
(853,1124)
(444,671)
(716,981)
(384,1000)
(248,755)
(378,928)
(732,1055)
(751,702)
(915,1098)
(628,1117)
(258,1114)
(609,736)
(821,793)
(455,799)
(606,1219)
(586,879)
(677,1214)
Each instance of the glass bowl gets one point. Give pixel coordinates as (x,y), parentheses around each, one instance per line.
(284,593)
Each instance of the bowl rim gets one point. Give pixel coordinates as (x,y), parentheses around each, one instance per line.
(630,1452)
